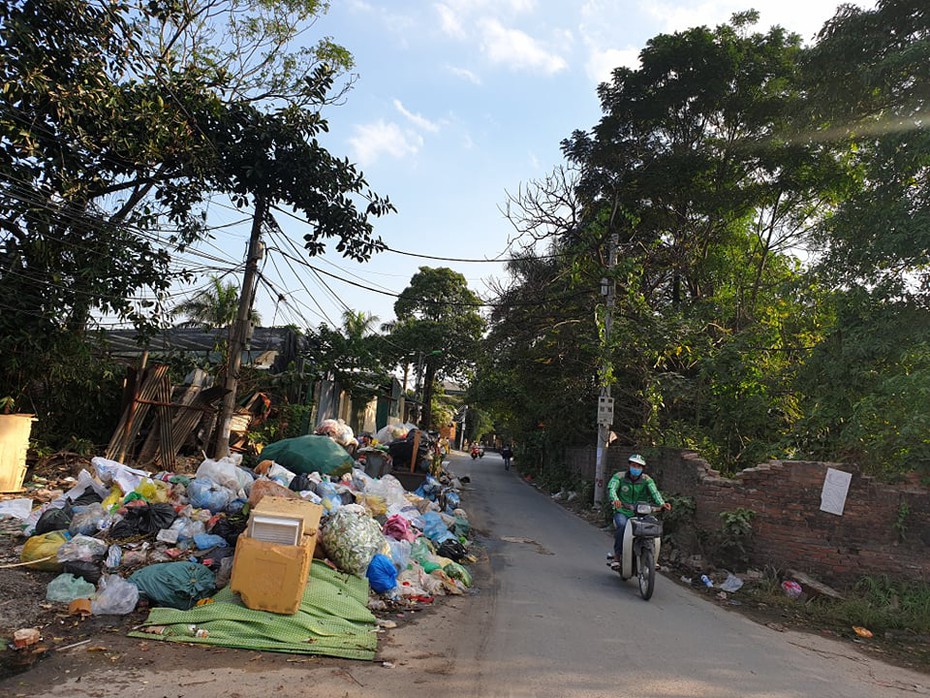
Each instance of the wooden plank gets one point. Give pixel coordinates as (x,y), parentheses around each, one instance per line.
(166,450)
(416,451)
(811,583)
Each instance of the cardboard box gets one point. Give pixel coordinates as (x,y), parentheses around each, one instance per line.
(284,508)
(270,576)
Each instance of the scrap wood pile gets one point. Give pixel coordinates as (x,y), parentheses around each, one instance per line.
(120,535)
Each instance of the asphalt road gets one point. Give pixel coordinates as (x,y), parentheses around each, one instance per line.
(549,619)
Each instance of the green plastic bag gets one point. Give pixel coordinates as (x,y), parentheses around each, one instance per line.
(308,454)
(65,588)
(457,571)
(175,584)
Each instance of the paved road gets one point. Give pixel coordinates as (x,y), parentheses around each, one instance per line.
(550,619)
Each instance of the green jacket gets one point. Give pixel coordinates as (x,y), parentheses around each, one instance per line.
(628,492)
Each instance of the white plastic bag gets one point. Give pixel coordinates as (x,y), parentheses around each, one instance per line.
(115,596)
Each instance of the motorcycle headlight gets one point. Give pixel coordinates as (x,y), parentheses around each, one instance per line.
(643,508)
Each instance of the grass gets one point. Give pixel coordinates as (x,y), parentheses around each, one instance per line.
(882,605)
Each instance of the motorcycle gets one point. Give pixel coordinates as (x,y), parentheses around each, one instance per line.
(642,540)
(477,452)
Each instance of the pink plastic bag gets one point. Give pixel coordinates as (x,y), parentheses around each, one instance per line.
(792,589)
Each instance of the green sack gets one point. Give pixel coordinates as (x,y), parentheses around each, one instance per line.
(310,453)
(175,584)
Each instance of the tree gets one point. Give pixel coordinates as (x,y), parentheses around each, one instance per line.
(118,122)
(213,307)
(352,355)
(439,326)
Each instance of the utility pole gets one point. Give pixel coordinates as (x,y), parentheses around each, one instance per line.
(242,330)
(605,411)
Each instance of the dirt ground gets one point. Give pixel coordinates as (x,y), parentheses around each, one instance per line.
(72,644)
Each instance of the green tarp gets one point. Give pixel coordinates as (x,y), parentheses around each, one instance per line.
(333,620)
(306,454)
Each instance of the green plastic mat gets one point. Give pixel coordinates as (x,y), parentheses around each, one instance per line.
(333,620)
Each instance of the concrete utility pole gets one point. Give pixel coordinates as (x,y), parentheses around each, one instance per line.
(242,330)
(605,416)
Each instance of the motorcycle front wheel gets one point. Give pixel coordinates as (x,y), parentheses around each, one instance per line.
(646,573)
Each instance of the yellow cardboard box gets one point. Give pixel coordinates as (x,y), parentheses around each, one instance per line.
(272,576)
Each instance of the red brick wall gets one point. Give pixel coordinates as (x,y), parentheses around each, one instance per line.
(789,530)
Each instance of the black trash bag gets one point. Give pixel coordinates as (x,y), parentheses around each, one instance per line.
(144,519)
(452,549)
(214,558)
(301,483)
(54,520)
(89,496)
(88,571)
(229,529)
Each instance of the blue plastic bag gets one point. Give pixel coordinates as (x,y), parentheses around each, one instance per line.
(435,528)
(204,541)
(430,488)
(206,494)
(381,574)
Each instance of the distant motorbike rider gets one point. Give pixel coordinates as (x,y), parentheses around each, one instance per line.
(625,488)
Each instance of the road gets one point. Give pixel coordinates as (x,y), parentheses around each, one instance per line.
(549,619)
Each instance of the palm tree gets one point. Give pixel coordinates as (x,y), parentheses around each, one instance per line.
(215,307)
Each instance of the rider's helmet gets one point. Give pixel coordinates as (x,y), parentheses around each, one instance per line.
(636,465)
(638,459)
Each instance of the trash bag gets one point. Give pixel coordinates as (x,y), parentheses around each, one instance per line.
(400,553)
(115,596)
(207,494)
(306,454)
(226,473)
(144,519)
(452,549)
(229,529)
(41,551)
(175,584)
(351,540)
(457,571)
(332,500)
(89,571)
(82,549)
(89,520)
(65,588)
(398,528)
(381,574)
(302,483)
(55,520)
(435,528)
(266,488)
(205,541)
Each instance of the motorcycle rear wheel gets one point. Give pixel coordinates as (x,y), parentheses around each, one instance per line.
(646,573)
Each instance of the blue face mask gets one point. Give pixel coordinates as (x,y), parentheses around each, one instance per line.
(635,472)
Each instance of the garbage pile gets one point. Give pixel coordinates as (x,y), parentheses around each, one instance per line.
(121,534)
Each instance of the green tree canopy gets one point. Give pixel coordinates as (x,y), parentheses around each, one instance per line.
(438,327)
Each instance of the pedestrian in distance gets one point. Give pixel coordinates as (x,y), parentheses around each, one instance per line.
(507,455)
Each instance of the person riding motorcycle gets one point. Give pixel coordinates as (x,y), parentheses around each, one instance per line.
(624,489)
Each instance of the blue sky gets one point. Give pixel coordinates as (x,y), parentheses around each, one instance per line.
(455,104)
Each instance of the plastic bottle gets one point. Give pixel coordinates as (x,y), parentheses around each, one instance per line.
(706,580)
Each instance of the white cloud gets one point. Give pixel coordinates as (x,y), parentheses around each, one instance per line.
(416,119)
(371,141)
(465,74)
(517,49)
(601,64)
(450,21)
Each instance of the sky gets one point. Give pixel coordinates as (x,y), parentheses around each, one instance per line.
(455,104)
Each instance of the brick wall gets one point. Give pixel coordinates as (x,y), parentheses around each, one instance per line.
(789,530)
